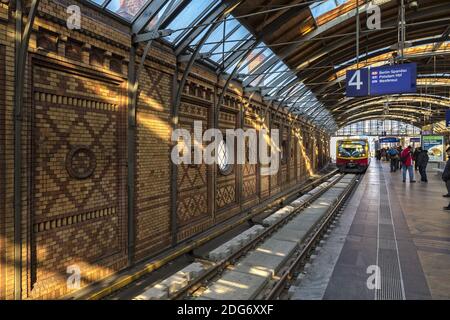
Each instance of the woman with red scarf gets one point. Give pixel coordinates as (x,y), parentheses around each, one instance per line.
(407,164)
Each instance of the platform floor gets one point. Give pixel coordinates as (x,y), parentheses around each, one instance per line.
(394,229)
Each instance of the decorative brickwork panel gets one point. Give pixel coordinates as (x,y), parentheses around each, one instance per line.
(275,179)
(226,192)
(192,202)
(78,212)
(153,163)
(249,189)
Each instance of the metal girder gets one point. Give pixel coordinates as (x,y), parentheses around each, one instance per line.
(398,110)
(253,89)
(188,57)
(390,117)
(443,39)
(439,100)
(361,104)
(131,148)
(227,36)
(326,27)
(22,43)
(152,35)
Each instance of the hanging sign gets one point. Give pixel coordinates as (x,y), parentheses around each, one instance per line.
(384,80)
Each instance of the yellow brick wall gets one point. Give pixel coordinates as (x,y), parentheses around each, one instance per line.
(75,123)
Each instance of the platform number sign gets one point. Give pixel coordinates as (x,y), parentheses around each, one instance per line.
(395,79)
(357,83)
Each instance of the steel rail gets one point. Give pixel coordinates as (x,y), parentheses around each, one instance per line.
(221,266)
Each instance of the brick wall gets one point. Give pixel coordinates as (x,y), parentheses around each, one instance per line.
(7,36)
(2,174)
(74,149)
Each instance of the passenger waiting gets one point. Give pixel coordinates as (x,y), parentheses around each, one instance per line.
(393,154)
(400,150)
(446,177)
(415,155)
(407,164)
(422,162)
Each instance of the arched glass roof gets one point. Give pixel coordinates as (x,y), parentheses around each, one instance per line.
(296,53)
(231,48)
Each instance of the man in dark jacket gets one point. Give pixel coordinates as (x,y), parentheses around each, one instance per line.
(446,177)
(422,162)
(415,155)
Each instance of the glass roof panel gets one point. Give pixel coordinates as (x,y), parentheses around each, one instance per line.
(189,17)
(322,7)
(240,35)
(227,39)
(126,9)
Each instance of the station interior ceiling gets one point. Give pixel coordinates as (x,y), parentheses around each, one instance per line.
(296,52)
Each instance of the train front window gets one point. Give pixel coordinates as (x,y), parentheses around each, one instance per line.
(353,150)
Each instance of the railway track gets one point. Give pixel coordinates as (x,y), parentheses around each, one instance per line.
(127,284)
(213,276)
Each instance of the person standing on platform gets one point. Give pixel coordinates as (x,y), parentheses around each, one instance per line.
(393,154)
(415,155)
(383,154)
(422,162)
(446,177)
(400,150)
(407,164)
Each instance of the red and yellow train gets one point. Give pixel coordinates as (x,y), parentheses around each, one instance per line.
(352,155)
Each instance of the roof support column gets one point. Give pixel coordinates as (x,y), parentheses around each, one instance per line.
(134,72)
(22,42)
(131,144)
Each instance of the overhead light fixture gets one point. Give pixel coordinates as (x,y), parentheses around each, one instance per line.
(413,5)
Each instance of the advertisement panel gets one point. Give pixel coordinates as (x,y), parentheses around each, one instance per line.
(435,147)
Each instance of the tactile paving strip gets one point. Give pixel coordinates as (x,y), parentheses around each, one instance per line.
(387,252)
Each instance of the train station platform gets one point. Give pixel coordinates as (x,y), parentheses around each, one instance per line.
(396,230)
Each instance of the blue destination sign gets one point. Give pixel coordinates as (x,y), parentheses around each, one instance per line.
(447,118)
(389,140)
(395,79)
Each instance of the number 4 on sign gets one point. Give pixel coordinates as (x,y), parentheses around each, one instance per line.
(357,83)
(356,80)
